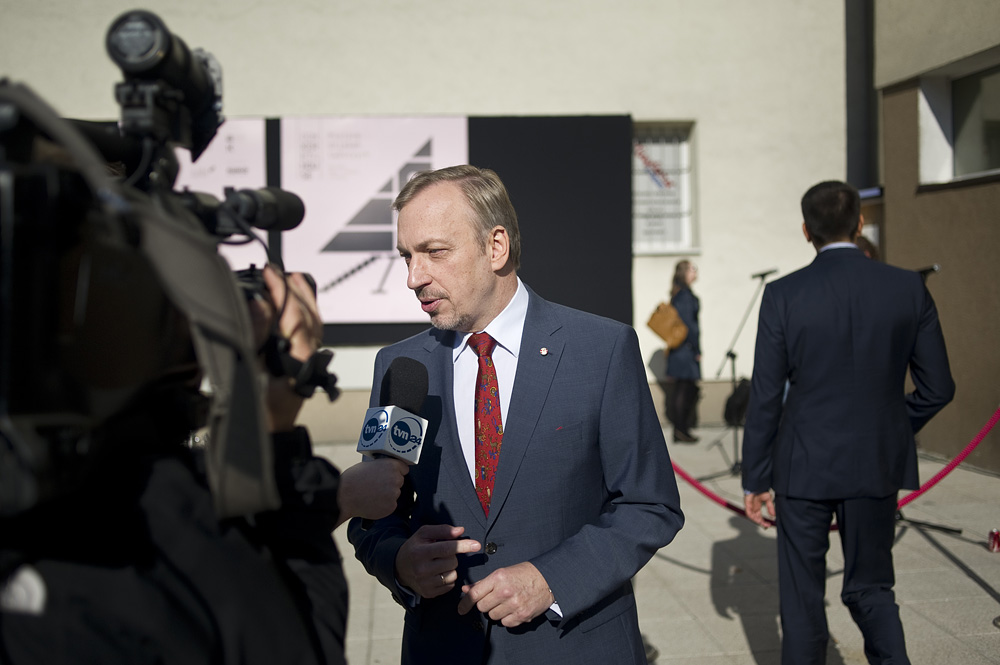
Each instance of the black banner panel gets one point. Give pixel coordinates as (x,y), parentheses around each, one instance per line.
(570,179)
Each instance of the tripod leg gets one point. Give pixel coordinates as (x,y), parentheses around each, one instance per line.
(928,525)
(737,465)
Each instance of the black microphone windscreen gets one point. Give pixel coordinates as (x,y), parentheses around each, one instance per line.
(404,385)
(283,210)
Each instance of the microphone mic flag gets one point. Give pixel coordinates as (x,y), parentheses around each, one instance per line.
(395,429)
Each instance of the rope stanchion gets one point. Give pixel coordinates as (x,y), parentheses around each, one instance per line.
(902,502)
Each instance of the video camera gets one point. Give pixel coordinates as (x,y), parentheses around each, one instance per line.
(112,289)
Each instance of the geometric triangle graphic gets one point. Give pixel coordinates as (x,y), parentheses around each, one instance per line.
(371,228)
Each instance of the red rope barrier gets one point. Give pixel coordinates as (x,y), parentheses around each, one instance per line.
(955,462)
(902,502)
(710,494)
(704,490)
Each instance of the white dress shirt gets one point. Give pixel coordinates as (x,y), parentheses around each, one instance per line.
(506,329)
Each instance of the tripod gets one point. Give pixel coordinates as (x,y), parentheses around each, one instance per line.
(737,422)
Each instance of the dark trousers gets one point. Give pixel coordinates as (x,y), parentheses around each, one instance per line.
(682,403)
(867,529)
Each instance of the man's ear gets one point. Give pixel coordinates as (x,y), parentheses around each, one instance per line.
(861,225)
(805,232)
(498,248)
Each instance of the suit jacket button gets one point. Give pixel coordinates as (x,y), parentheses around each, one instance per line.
(491,548)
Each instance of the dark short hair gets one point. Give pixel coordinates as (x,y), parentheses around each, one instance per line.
(485,194)
(831,211)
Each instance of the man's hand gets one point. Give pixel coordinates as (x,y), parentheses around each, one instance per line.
(512,595)
(753,504)
(426,563)
(370,489)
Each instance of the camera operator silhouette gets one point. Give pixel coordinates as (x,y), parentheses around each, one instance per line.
(122,331)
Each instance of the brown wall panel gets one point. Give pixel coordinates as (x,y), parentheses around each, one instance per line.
(957,227)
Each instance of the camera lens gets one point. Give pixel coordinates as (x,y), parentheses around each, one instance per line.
(138,41)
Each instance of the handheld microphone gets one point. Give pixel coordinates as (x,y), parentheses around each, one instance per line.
(395,429)
(764,274)
(928,270)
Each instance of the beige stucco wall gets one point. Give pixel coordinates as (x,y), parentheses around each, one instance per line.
(762,82)
(913,37)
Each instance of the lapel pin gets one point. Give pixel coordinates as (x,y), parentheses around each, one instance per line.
(543,351)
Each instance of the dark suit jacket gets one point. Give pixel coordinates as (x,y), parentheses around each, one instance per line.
(584,490)
(843,331)
(682,362)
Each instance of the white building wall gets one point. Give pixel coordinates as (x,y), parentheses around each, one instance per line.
(763,83)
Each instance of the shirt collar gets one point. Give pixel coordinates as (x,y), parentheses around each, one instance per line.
(838,245)
(507,327)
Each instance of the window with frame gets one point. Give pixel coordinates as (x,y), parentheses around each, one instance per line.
(662,219)
(976,122)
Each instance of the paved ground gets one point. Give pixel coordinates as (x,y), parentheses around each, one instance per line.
(710,597)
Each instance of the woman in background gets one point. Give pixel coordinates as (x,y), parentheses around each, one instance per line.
(683,363)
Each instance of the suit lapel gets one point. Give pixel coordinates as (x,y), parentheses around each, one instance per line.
(539,356)
(452,456)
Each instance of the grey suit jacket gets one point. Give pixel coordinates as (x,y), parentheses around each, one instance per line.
(843,331)
(584,490)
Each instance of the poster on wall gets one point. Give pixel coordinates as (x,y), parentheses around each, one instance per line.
(348,172)
(237,158)
(661,191)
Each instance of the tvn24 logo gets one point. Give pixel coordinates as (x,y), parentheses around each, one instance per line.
(374,429)
(407,434)
(405,431)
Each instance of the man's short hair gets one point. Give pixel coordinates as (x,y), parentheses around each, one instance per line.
(831,211)
(486,195)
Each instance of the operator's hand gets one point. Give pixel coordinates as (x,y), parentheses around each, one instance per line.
(754,503)
(300,324)
(513,595)
(427,562)
(370,489)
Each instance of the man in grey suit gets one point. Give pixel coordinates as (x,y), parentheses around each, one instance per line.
(841,334)
(537,568)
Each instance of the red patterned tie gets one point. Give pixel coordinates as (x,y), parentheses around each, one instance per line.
(489,427)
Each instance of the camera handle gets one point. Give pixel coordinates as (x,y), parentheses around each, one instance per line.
(307,375)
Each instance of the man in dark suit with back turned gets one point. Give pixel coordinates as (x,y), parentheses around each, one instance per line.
(842,333)
(528,562)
